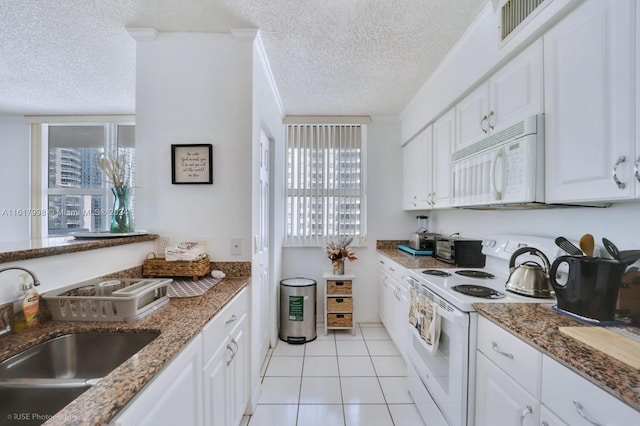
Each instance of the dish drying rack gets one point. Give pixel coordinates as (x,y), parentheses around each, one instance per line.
(99,299)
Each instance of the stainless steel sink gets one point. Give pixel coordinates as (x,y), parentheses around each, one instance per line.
(38,382)
(84,355)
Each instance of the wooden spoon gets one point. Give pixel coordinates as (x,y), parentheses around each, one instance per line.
(587,244)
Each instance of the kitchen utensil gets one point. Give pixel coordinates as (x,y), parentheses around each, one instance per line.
(568,246)
(587,244)
(611,249)
(629,256)
(589,288)
(529,278)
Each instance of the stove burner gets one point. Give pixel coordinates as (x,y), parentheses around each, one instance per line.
(478,291)
(472,273)
(436,272)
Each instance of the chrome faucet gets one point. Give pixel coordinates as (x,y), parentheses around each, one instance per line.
(5,316)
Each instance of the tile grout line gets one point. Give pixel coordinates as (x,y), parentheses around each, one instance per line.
(386,403)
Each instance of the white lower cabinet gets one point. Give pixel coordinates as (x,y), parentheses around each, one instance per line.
(174,397)
(225,378)
(517,385)
(507,378)
(500,400)
(393,301)
(578,402)
(547,418)
(207,383)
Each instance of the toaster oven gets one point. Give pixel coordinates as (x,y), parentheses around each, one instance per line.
(462,252)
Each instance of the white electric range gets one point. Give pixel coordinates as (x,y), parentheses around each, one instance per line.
(441,375)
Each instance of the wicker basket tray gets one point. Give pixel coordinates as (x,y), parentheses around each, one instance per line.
(158,267)
(340,320)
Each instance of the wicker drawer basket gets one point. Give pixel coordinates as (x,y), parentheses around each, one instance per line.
(340,320)
(339,304)
(158,267)
(338,287)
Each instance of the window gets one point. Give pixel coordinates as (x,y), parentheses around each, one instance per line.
(325,183)
(78,198)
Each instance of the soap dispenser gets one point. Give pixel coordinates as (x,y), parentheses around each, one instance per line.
(26,306)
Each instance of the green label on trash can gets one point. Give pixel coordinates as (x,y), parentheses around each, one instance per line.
(296,308)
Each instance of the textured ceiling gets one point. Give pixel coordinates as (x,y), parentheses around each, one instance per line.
(327,56)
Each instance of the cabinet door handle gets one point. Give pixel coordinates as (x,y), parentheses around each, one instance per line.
(494,346)
(233,354)
(233,340)
(636,170)
(580,411)
(232,319)
(527,410)
(544,423)
(484,118)
(621,185)
(489,120)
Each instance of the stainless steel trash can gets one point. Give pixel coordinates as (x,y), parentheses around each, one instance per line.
(298,310)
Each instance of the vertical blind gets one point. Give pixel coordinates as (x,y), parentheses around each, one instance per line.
(325,187)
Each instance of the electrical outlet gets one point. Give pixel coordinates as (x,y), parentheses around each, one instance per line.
(236,246)
(162,243)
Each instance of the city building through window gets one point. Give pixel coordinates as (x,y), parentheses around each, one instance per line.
(325,183)
(78,195)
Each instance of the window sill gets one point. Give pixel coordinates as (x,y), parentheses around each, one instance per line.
(23,250)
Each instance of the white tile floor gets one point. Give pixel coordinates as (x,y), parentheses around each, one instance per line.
(336,380)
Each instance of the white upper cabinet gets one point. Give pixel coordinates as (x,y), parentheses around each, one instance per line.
(511,94)
(589,104)
(443,137)
(425,166)
(417,172)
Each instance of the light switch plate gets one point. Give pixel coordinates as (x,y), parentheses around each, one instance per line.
(236,246)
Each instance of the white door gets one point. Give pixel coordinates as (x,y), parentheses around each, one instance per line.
(261,254)
(443,138)
(516,89)
(589,121)
(500,400)
(471,117)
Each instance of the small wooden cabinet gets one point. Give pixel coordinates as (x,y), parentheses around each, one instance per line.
(338,302)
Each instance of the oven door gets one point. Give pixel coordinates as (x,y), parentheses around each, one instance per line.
(443,373)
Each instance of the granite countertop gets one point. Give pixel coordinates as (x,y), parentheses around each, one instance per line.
(538,325)
(177,322)
(33,249)
(411,261)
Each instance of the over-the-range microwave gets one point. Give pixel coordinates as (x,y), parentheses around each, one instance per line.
(504,169)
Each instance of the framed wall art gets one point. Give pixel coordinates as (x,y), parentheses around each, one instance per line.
(192,164)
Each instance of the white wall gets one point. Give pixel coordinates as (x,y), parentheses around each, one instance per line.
(14,178)
(618,223)
(478,53)
(195,88)
(385,219)
(66,269)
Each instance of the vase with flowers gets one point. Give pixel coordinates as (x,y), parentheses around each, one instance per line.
(117,170)
(338,253)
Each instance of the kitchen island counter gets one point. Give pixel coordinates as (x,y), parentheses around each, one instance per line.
(177,323)
(538,324)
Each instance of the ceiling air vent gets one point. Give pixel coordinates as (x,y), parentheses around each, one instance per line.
(514,12)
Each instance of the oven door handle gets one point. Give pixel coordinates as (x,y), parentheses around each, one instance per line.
(446,311)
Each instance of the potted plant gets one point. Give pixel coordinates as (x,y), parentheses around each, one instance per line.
(338,253)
